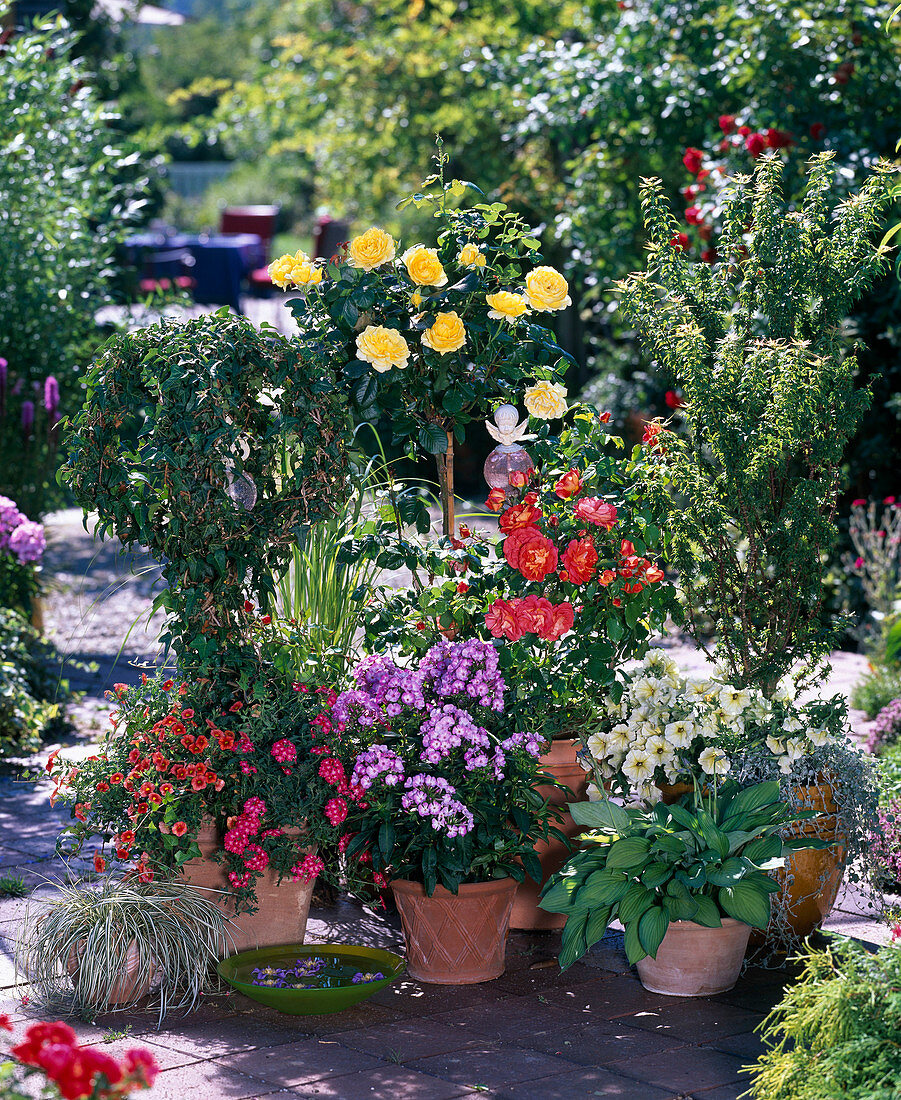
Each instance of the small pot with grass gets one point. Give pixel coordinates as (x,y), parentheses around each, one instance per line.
(99,948)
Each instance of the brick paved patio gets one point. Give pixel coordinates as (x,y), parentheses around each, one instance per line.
(533,1033)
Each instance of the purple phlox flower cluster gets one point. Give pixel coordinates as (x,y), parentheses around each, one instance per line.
(377,760)
(886,728)
(27,542)
(356,708)
(390,686)
(431,796)
(532,743)
(447,728)
(19,535)
(465,668)
(10,518)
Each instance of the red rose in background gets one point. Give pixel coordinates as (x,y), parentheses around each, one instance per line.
(779,139)
(579,560)
(693,215)
(744,130)
(673,400)
(526,514)
(501,621)
(532,553)
(693,159)
(681,241)
(568,485)
(727,124)
(495,500)
(596,511)
(755,144)
(709,255)
(817,130)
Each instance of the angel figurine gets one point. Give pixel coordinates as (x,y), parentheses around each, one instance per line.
(508,430)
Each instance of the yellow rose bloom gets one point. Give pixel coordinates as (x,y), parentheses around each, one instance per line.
(296,270)
(371,249)
(415,298)
(506,306)
(546,400)
(423,266)
(383,347)
(446,334)
(546,289)
(470,256)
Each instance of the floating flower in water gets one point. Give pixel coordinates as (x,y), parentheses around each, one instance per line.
(360,977)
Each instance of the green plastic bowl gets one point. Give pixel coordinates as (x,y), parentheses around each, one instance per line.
(237,971)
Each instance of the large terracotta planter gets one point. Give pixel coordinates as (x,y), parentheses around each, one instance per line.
(694,961)
(816,874)
(283,907)
(559,761)
(455,939)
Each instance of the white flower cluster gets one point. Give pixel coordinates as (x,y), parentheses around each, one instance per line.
(669,726)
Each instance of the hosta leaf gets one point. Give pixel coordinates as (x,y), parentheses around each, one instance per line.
(573,946)
(732,870)
(745,902)
(707,912)
(750,799)
(651,929)
(655,874)
(632,944)
(636,900)
(604,814)
(603,888)
(631,851)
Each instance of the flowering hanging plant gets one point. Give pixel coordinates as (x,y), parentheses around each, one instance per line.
(669,727)
(569,590)
(72,1071)
(264,770)
(448,779)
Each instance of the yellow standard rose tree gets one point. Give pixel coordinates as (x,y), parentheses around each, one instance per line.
(432,336)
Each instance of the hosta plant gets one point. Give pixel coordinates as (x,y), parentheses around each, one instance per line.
(701,859)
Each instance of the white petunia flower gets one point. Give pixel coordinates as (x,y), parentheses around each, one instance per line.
(639,765)
(714,761)
(680,734)
(818,737)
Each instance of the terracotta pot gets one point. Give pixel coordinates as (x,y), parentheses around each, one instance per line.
(816,874)
(455,939)
(135,978)
(694,961)
(283,908)
(672,792)
(560,762)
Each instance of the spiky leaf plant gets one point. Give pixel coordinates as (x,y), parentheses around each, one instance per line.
(756,344)
(74,952)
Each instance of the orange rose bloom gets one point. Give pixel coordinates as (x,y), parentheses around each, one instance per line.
(500,619)
(596,511)
(607,577)
(526,514)
(564,617)
(568,485)
(532,553)
(495,500)
(579,561)
(653,574)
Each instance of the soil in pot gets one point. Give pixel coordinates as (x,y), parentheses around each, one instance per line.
(559,761)
(283,907)
(455,939)
(695,961)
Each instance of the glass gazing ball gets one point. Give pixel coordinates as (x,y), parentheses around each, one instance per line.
(502,462)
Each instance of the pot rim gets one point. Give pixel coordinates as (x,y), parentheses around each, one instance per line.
(494,885)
